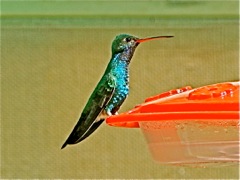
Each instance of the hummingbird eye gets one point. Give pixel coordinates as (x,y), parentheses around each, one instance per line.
(128,39)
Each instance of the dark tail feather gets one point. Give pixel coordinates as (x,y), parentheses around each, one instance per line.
(91,130)
(71,139)
(64,145)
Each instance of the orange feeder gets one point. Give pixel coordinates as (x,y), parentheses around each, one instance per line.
(189,126)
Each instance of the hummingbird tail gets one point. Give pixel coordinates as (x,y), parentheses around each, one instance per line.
(72,138)
(64,145)
(92,129)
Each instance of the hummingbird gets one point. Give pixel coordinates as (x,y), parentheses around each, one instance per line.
(111,90)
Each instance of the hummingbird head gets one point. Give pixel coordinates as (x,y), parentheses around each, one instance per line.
(124,42)
(128,43)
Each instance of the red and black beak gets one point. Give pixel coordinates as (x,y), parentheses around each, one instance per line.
(152,38)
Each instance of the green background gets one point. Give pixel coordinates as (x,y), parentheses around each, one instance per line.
(53,54)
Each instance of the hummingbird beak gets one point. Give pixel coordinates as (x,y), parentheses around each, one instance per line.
(152,38)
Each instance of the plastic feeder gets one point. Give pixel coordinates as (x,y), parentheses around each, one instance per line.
(189,126)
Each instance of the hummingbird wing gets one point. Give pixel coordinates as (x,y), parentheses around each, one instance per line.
(97,102)
(94,126)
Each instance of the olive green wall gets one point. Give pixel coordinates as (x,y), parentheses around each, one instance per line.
(53,54)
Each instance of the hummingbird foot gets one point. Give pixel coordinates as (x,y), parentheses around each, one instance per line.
(103,115)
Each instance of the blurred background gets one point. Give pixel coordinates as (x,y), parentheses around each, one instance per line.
(53,53)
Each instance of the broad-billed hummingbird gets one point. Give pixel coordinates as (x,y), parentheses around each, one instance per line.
(111,90)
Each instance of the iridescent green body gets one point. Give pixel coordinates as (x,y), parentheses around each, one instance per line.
(111,91)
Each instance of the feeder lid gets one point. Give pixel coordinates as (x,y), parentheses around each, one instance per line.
(212,102)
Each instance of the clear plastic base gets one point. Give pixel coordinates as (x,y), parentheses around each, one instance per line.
(195,142)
